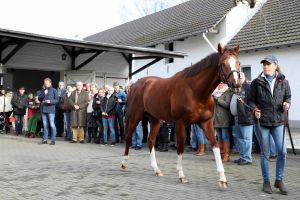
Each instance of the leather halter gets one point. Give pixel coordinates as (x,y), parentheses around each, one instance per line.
(224,76)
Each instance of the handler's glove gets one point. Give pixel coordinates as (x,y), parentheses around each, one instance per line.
(286,106)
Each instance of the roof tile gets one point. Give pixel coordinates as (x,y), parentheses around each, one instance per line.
(180,21)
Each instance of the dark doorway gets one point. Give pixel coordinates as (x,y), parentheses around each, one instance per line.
(32,79)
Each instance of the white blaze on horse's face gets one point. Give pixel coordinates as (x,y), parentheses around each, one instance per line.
(232,63)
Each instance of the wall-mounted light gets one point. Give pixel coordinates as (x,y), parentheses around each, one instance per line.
(63,56)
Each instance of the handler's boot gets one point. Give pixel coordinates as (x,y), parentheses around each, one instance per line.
(279,184)
(226,156)
(201,150)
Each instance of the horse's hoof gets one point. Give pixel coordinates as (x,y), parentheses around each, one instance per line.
(183,180)
(223,184)
(159,174)
(123,166)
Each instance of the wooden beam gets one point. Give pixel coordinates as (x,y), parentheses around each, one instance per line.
(83,51)
(13,52)
(127,58)
(67,50)
(144,57)
(146,66)
(73,58)
(88,60)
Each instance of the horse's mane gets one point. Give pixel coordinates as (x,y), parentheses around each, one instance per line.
(210,60)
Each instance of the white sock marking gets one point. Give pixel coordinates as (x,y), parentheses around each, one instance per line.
(179,166)
(153,161)
(219,163)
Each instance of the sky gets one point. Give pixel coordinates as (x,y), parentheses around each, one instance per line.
(73,19)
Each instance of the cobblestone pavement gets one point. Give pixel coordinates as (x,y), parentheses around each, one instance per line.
(89,171)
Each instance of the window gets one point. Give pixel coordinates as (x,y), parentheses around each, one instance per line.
(169,47)
(247,72)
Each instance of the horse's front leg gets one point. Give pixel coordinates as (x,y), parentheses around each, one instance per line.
(209,132)
(180,128)
(154,130)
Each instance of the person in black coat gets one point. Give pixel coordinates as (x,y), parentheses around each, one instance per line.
(243,117)
(270,97)
(19,103)
(97,113)
(108,106)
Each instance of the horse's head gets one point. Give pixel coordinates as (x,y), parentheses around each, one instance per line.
(229,66)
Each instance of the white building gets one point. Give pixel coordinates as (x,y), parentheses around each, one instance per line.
(183,28)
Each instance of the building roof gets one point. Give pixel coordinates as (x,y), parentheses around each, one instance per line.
(277,23)
(4,33)
(190,18)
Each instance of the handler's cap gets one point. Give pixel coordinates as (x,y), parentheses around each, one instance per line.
(271,59)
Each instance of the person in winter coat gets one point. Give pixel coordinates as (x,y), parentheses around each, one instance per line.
(91,120)
(35,117)
(119,114)
(223,121)
(97,113)
(243,117)
(19,103)
(79,100)
(270,96)
(108,106)
(48,98)
(6,109)
(59,114)
(66,107)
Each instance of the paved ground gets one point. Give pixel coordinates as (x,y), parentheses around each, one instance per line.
(90,171)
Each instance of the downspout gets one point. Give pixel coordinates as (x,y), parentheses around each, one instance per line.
(208,42)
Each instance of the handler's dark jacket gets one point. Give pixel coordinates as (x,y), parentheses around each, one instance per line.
(271,106)
(245,115)
(108,105)
(19,104)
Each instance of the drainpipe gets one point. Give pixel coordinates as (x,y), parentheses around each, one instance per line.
(208,42)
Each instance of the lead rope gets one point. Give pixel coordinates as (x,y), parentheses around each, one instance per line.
(239,98)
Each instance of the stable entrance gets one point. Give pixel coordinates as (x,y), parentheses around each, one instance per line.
(32,80)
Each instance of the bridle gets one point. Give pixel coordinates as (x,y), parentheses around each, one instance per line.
(224,76)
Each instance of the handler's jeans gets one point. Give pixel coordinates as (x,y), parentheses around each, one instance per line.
(108,123)
(19,123)
(277,133)
(197,136)
(48,119)
(244,134)
(67,116)
(222,133)
(137,136)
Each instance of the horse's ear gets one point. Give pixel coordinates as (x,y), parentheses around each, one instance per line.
(236,49)
(220,49)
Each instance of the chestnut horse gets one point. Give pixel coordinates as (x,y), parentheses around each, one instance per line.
(184,98)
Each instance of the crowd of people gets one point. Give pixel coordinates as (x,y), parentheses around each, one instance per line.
(87,113)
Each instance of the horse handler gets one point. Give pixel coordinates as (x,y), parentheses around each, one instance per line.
(270,95)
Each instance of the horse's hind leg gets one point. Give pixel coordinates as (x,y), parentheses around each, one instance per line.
(131,124)
(154,129)
(209,132)
(180,132)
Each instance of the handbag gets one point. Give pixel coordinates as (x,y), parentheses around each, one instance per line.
(64,104)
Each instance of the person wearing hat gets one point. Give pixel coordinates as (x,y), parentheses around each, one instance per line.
(270,96)
(19,103)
